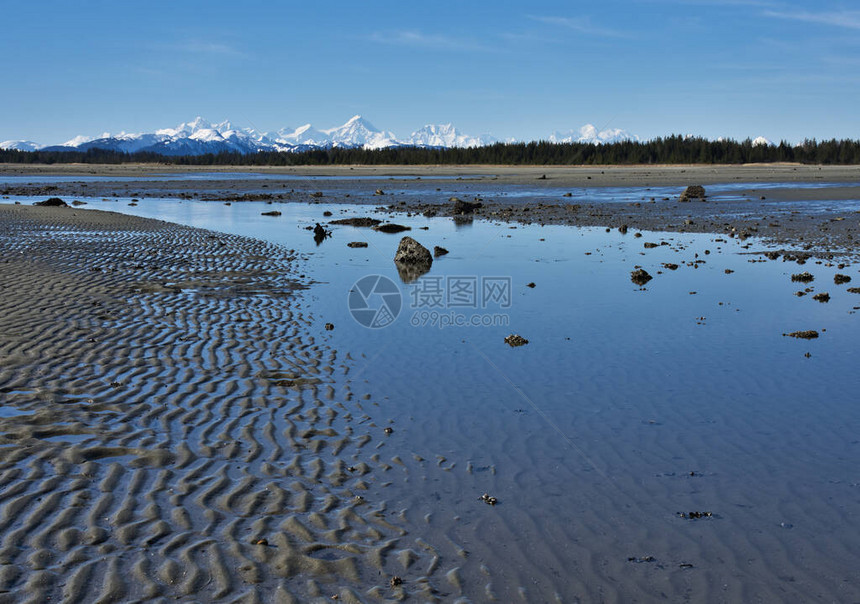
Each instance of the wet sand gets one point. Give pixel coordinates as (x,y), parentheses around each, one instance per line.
(177,425)
(558,175)
(788,215)
(171,427)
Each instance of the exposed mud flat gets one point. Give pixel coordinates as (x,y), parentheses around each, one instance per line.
(651,442)
(170,429)
(815,207)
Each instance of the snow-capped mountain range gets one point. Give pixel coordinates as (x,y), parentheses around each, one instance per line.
(199,136)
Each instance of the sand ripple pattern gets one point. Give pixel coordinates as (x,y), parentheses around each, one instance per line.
(169,427)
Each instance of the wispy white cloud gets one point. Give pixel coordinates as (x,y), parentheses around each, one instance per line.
(581,25)
(849,19)
(418,39)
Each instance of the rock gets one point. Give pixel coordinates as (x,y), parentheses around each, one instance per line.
(439,251)
(52,202)
(78,202)
(515,340)
(465,207)
(840,279)
(853,290)
(391,228)
(822,297)
(329,326)
(623,229)
(489,499)
(640,276)
(379,192)
(412,260)
(692,192)
(317,194)
(411,252)
(670,266)
(320,233)
(649,245)
(809,334)
(272,213)
(803,277)
(357,244)
(532,285)
(326,213)
(358,221)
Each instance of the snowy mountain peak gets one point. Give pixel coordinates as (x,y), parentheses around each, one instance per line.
(200,136)
(446,135)
(20,145)
(590,134)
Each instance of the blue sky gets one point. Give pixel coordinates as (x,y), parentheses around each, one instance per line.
(737,68)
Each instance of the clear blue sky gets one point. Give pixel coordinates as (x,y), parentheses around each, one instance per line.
(738,68)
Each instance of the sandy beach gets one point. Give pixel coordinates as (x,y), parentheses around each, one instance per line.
(170,428)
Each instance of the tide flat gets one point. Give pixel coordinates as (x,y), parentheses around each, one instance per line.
(630,411)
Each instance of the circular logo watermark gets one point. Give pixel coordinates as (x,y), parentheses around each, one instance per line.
(375,301)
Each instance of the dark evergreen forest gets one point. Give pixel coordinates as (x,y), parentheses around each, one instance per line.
(669,150)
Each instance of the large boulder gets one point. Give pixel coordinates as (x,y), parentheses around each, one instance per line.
(692,192)
(412,260)
(411,252)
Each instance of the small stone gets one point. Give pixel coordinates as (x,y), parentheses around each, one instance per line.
(515,340)
(52,202)
(464,207)
(809,334)
(439,251)
(640,276)
(692,192)
(329,326)
(357,244)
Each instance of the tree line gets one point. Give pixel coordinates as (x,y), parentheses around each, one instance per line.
(668,150)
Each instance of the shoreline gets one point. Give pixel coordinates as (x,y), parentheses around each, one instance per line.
(792,216)
(593,176)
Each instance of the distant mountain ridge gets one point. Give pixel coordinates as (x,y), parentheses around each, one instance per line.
(200,136)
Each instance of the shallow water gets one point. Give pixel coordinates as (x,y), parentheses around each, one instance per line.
(627,406)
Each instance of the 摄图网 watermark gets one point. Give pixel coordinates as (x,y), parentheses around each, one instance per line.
(375,301)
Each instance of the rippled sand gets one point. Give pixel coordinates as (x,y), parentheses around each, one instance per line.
(171,428)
